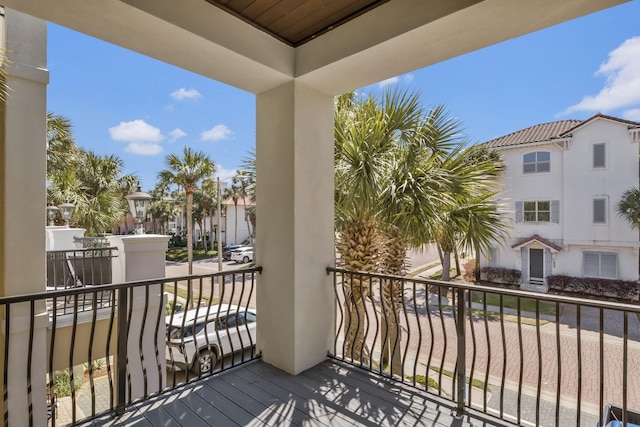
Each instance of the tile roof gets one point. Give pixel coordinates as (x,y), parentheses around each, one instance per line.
(537,238)
(537,133)
(548,131)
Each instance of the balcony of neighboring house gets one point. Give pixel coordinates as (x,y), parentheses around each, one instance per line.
(405,351)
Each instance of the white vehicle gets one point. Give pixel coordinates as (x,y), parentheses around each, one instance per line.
(243,255)
(198,338)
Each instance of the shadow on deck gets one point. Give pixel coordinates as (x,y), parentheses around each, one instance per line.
(329,394)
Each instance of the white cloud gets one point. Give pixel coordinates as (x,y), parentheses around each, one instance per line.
(633,114)
(225,173)
(183,93)
(622,87)
(135,131)
(387,82)
(176,134)
(216,133)
(406,78)
(144,148)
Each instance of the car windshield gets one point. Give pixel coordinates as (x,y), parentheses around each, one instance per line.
(177,332)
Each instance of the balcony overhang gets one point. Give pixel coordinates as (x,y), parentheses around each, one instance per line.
(393,38)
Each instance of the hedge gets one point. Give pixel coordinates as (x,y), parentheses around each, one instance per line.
(500,275)
(595,286)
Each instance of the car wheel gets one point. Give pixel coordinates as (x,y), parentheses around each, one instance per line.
(245,259)
(205,362)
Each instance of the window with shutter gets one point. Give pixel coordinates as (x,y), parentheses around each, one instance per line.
(555,211)
(519,211)
(599,156)
(600,210)
(538,211)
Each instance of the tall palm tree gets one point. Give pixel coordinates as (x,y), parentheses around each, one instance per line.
(209,202)
(188,172)
(248,174)
(368,134)
(473,222)
(235,192)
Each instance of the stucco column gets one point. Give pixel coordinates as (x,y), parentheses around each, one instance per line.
(294,158)
(141,257)
(22,204)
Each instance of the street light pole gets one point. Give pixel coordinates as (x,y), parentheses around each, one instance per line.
(219,229)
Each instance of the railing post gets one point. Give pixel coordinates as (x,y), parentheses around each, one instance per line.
(121,361)
(461,331)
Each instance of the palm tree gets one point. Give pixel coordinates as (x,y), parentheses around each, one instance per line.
(94,183)
(629,207)
(62,151)
(248,174)
(395,188)
(188,172)
(235,192)
(473,222)
(209,203)
(368,135)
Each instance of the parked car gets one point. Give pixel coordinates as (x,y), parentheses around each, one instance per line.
(226,251)
(198,338)
(243,255)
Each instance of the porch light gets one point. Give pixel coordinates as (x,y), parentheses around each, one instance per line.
(138,205)
(66,212)
(52,211)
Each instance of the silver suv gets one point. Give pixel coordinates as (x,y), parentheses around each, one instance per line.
(198,338)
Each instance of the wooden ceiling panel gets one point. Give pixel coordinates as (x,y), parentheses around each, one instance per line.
(296,21)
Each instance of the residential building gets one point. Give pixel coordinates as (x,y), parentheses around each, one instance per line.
(561,183)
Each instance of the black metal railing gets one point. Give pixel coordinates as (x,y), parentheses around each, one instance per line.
(78,268)
(92,241)
(100,361)
(523,357)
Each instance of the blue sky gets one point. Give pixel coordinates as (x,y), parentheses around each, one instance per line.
(140,109)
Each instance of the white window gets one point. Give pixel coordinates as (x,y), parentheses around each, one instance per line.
(539,161)
(599,156)
(537,211)
(600,264)
(600,210)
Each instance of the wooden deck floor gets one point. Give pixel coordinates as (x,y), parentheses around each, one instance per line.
(329,394)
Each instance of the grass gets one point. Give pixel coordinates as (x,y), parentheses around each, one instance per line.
(475,383)
(180,254)
(423,269)
(526,304)
(430,382)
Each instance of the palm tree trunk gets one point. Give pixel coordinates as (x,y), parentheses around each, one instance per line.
(446,265)
(235,236)
(190,231)
(392,299)
(359,248)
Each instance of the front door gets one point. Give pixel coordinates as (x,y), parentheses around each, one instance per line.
(536,265)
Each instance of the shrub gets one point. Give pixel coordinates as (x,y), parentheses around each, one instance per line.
(619,289)
(469,268)
(62,382)
(500,275)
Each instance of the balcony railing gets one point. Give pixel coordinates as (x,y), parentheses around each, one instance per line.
(78,268)
(149,339)
(518,356)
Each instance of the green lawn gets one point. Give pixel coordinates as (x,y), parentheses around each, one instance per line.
(526,304)
(180,254)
